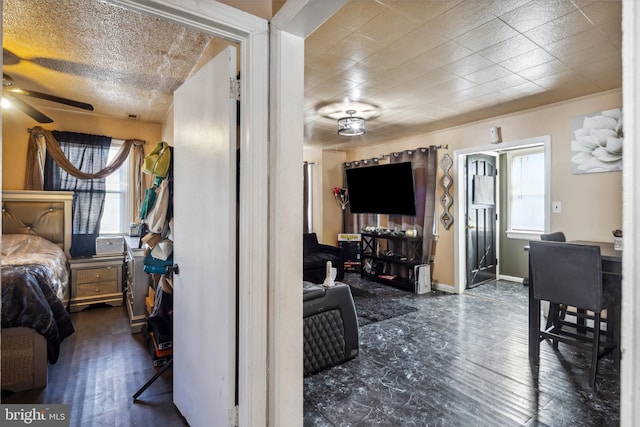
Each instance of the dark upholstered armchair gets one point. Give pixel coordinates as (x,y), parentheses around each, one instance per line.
(314,259)
(330,323)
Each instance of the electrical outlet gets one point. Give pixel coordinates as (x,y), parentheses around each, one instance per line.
(556,207)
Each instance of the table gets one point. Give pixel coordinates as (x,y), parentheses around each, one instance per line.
(611,263)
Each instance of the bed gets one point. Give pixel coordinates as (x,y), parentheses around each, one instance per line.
(36,237)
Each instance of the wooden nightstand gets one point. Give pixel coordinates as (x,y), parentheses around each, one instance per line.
(137,285)
(96,280)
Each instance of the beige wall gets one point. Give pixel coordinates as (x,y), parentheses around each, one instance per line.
(332,213)
(327,174)
(591,203)
(15,137)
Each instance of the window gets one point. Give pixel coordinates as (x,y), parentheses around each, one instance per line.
(117,205)
(526,169)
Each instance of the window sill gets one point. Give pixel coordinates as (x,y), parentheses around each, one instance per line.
(524,235)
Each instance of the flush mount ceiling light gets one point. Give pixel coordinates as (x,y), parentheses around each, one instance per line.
(350,126)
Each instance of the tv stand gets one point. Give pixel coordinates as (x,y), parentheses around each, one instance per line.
(391,258)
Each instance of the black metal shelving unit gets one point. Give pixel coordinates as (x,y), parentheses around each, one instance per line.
(390,258)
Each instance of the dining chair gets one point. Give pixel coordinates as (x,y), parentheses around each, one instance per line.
(569,274)
(555,309)
(556,236)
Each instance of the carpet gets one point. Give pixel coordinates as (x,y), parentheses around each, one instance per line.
(371,308)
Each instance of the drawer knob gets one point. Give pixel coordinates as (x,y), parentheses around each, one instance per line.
(97,289)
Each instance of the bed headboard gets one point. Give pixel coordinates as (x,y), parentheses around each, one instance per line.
(44,213)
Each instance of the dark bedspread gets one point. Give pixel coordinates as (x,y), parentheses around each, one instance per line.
(29,301)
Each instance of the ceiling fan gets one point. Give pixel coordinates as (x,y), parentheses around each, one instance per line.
(9,90)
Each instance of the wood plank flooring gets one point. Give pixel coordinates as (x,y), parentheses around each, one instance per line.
(101,366)
(458,360)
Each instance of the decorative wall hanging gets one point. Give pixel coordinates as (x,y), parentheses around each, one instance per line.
(342,197)
(596,142)
(446,200)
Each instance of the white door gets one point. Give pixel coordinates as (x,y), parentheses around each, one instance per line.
(204,342)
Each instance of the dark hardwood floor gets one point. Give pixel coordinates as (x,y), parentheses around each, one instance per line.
(100,367)
(458,360)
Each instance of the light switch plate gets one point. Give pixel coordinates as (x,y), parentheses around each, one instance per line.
(556,207)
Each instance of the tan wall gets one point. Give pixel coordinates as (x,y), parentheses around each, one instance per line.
(327,174)
(331,213)
(15,137)
(591,203)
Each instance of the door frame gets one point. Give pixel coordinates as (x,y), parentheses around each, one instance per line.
(252,34)
(630,365)
(296,20)
(271,132)
(460,203)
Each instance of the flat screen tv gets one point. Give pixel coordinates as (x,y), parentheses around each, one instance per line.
(382,189)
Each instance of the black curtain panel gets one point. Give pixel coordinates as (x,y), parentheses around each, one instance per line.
(89,153)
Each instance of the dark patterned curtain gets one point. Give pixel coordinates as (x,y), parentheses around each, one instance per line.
(353,223)
(424,162)
(89,153)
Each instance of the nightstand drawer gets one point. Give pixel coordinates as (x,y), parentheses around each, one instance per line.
(96,280)
(97,275)
(97,288)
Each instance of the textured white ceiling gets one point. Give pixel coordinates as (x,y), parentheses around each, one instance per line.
(409,66)
(122,62)
(432,64)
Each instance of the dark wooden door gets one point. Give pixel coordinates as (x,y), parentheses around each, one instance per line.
(481,219)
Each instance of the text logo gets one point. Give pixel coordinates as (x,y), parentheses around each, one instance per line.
(35,415)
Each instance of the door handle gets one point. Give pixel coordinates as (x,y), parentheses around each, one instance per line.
(175,269)
(470,226)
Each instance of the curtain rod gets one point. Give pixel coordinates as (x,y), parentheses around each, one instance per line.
(136,141)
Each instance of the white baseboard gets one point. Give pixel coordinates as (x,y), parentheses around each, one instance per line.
(443,287)
(511,278)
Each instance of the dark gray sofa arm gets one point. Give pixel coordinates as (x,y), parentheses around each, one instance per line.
(330,327)
(334,250)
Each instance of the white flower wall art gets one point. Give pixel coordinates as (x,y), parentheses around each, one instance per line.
(596,142)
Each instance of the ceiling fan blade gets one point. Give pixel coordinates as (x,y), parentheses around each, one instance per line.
(9,58)
(29,110)
(52,98)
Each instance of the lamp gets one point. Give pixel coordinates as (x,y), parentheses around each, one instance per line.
(350,126)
